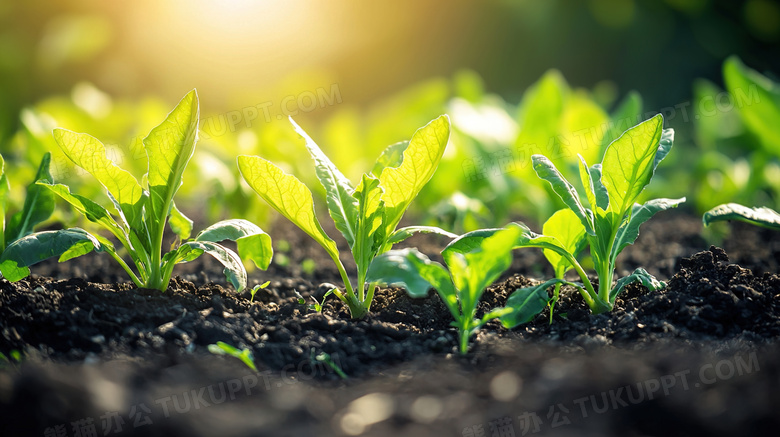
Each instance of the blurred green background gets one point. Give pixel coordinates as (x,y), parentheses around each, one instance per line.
(361,75)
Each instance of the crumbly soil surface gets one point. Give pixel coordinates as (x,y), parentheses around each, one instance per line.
(698,358)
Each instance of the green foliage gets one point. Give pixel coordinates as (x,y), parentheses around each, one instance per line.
(38,207)
(763,216)
(470,273)
(366,215)
(245,355)
(612,221)
(141,212)
(257,288)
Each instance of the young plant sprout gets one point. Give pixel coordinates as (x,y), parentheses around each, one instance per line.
(141,211)
(470,273)
(38,207)
(367,215)
(610,224)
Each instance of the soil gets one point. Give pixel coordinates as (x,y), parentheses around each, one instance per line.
(699,358)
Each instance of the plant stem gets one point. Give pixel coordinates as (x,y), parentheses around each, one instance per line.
(138,283)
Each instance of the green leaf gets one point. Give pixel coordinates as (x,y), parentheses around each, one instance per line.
(758,100)
(90,154)
(474,271)
(40,246)
(629,163)
(628,111)
(467,242)
(639,275)
(234,269)
(546,170)
(338,189)
(595,190)
(420,159)
(629,231)
(404,233)
(287,195)
(170,147)
(180,224)
(38,205)
(526,303)
(253,242)
(91,210)
(370,232)
(244,355)
(762,216)
(392,156)
(565,227)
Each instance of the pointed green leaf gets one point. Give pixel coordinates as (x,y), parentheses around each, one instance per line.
(253,242)
(625,115)
(420,159)
(169,147)
(392,156)
(370,232)
(763,216)
(629,163)
(90,154)
(338,190)
(526,303)
(595,190)
(639,275)
(40,246)
(567,229)
(286,194)
(38,205)
(404,233)
(180,224)
(91,210)
(629,231)
(546,170)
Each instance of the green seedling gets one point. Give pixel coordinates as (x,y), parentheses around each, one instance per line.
(461,287)
(367,215)
(141,211)
(257,288)
(764,217)
(324,357)
(38,207)
(245,355)
(610,224)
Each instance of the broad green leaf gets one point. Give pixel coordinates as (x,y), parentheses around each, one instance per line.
(526,303)
(758,100)
(567,229)
(404,233)
(629,163)
(253,242)
(5,188)
(40,246)
(413,271)
(639,275)
(234,269)
(169,147)
(629,231)
(594,189)
(338,189)
(623,117)
(420,159)
(392,156)
(91,210)
(546,170)
(90,154)
(38,205)
(180,224)
(286,194)
(763,216)
(474,271)
(370,232)
(467,242)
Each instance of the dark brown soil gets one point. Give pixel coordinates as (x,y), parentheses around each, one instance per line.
(703,354)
